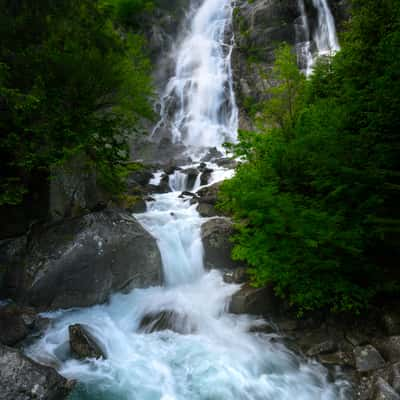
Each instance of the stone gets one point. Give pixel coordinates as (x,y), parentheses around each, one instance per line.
(391,323)
(389,348)
(394,378)
(83,344)
(368,358)
(209,194)
(205,176)
(23,379)
(344,359)
(255,301)
(238,275)
(215,235)
(329,346)
(206,210)
(263,327)
(383,391)
(13,328)
(166,320)
(192,174)
(82,261)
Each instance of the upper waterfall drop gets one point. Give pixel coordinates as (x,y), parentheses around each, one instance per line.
(198,106)
(322,41)
(325,36)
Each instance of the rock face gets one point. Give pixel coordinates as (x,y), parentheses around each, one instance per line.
(368,358)
(383,391)
(215,235)
(260,26)
(82,343)
(81,261)
(23,379)
(256,301)
(207,199)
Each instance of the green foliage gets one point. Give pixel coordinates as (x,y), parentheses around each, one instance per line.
(70,82)
(316,202)
(129,12)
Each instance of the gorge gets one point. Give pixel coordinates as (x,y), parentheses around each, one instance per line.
(206,352)
(138,296)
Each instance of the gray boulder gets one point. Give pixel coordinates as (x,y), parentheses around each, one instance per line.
(256,301)
(215,235)
(83,344)
(383,391)
(389,347)
(81,261)
(23,379)
(368,359)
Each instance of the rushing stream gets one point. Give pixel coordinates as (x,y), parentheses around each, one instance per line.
(214,357)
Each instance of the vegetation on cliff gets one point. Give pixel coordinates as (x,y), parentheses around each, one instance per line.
(73,79)
(316,203)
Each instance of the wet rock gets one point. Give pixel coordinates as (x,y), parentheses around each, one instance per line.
(256,301)
(367,358)
(326,347)
(18,322)
(82,343)
(209,194)
(212,154)
(140,177)
(215,235)
(206,210)
(166,320)
(389,347)
(264,328)
(81,261)
(192,174)
(205,176)
(383,391)
(186,193)
(227,162)
(24,379)
(344,359)
(238,275)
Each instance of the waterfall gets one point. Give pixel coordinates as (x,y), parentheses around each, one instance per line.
(323,41)
(208,353)
(198,105)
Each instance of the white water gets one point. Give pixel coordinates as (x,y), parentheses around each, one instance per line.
(323,41)
(201,95)
(219,359)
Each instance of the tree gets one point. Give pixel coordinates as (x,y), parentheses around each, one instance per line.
(70,82)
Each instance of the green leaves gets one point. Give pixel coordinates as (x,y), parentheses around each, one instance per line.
(70,82)
(316,201)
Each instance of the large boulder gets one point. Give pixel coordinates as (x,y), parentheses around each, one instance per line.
(83,344)
(83,260)
(389,347)
(256,301)
(207,200)
(368,358)
(216,234)
(383,391)
(24,379)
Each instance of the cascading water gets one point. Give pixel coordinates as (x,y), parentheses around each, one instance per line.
(214,357)
(199,103)
(323,41)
